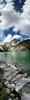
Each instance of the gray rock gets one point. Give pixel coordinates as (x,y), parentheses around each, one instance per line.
(7,90)
(6,74)
(9,99)
(12,87)
(7,84)
(25,97)
(21,83)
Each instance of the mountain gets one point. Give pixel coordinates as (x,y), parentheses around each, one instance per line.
(15,45)
(25,45)
(15,42)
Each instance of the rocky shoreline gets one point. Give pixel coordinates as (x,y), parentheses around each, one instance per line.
(12,82)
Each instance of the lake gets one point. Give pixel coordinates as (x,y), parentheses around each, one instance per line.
(20,58)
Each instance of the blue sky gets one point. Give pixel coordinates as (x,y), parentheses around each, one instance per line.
(15,20)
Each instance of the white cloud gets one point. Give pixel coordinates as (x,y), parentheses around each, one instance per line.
(7,39)
(8,1)
(12,18)
(17,37)
(1,35)
(9,16)
(25,23)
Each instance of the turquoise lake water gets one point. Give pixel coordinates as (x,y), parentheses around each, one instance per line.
(22,58)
